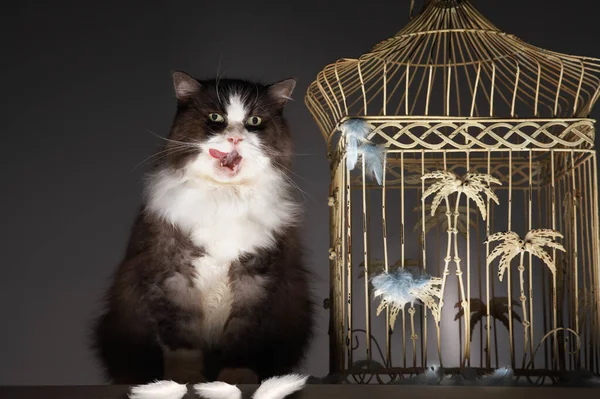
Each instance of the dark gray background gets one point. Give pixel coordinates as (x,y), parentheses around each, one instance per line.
(83,83)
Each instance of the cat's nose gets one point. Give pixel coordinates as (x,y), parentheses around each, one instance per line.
(235,139)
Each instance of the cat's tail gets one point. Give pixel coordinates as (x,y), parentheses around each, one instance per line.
(272,388)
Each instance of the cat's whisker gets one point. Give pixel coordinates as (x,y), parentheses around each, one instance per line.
(293,154)
(305,195)
(256,98)
(191,144)
(218,79)
(284,167)
(270,117)
(288,179)
(281,166)
(160,155)
(297,187)
(271,151)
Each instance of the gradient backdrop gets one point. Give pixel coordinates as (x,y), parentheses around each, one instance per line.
(83,86)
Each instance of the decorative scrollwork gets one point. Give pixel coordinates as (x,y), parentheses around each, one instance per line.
(482,134)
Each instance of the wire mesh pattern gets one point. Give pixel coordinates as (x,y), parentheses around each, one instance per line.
(451,96)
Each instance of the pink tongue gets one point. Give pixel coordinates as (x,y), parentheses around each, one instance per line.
(228,159)
(216,153)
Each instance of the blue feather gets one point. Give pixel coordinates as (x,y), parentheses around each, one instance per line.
(355,131)
(351,152)
(395,286)
(373,156)
(356,127)
(501,376)
(433,375)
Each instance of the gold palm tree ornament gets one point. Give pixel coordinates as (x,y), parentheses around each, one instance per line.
(447,108)
(498,310)
(401,287)
(471,185)
(440,220)
(512,245)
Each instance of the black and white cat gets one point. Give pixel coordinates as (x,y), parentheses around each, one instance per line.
(213,276)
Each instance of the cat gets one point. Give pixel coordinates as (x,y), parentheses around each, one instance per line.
(213,276)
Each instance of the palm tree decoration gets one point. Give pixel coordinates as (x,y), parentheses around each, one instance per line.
(472,185)
(512,245)
(479,310)
(440,219)
(401,286)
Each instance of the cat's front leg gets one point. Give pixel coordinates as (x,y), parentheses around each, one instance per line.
(182,360)
(183,365)
(238,376)
(177,333)
(253,353)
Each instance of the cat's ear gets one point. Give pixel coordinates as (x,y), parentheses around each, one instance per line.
(281,92)
(186,87)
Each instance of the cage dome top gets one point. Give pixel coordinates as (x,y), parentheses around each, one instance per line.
(450,61)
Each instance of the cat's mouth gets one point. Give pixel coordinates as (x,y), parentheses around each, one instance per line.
(227,160)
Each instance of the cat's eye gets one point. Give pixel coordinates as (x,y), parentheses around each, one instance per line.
(214,117)
(254,121)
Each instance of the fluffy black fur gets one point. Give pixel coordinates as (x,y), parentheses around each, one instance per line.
(142,311)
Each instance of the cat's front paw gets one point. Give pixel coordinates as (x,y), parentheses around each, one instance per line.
(238,376)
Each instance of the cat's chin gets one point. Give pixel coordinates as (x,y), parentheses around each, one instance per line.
(227,175)
(221,175)
(247,171)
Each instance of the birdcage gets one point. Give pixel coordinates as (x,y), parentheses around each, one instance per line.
(486,186)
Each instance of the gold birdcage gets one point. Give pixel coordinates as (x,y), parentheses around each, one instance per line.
(465,114)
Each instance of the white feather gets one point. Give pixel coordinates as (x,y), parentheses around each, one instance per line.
(218,390)
(374,157)
(351,152)
(280,387)
(158,390)
(355,131)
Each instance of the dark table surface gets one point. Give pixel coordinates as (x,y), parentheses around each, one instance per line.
(322,391)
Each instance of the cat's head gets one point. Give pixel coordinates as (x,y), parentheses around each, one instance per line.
(229,131)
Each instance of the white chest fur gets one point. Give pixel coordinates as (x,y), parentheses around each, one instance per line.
(212,280)
(226,222)
(234,227)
